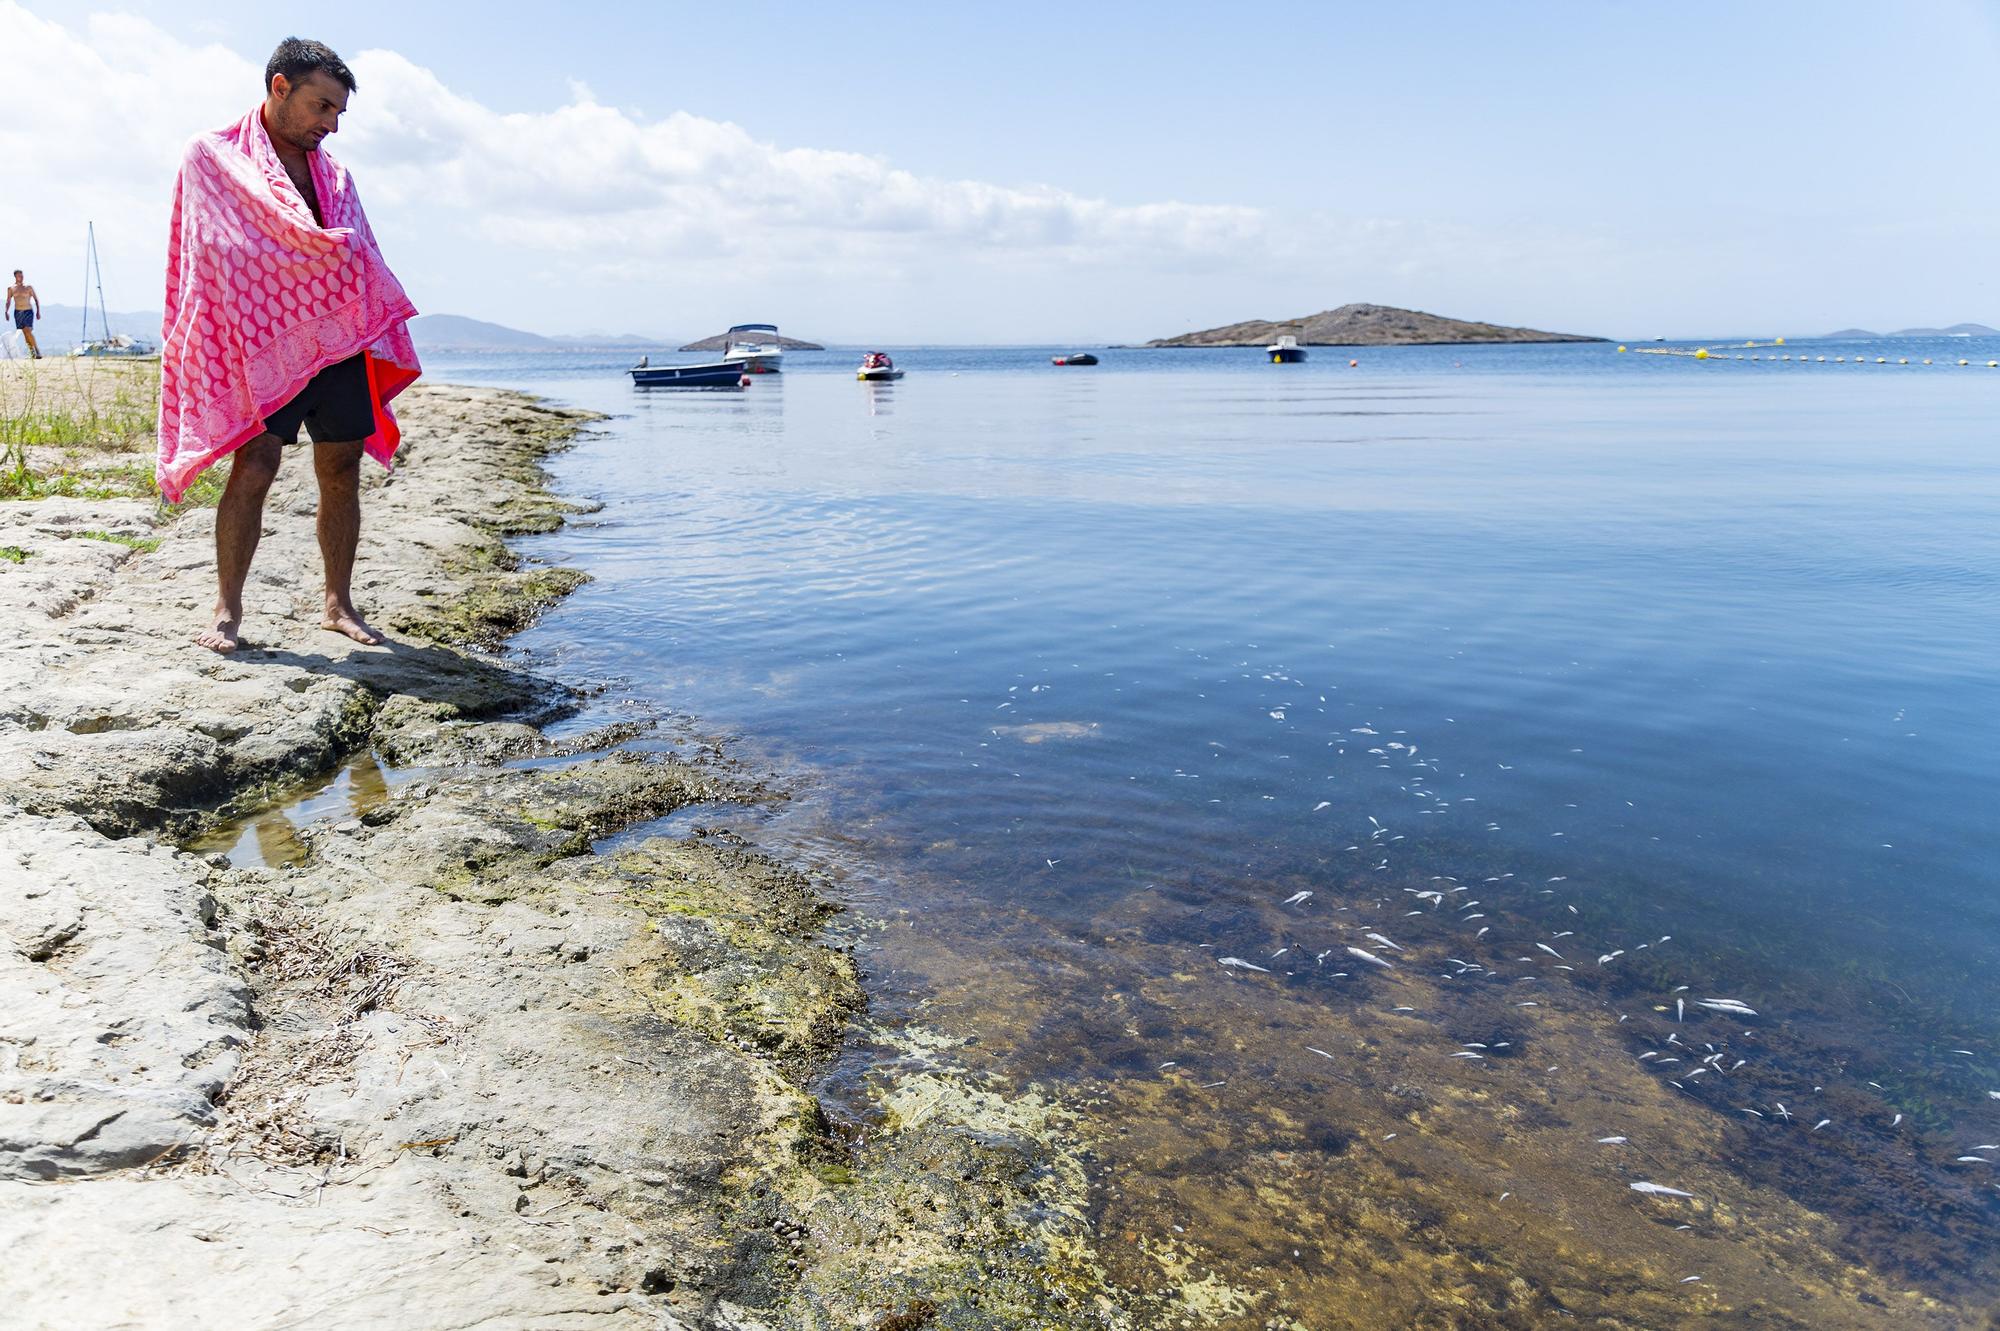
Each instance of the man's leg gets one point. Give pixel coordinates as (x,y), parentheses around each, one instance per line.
(33,347)
(339,469)
(239,521)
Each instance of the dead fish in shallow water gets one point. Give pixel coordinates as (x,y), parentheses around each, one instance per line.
(1659,1190)
(1729,1005)
(1296,898)
(1383,941)
(1240,964)
(1368,956)
(1611,1141)
(1551,951)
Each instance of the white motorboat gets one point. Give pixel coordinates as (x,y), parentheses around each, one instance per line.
(1286,350)
(755,347)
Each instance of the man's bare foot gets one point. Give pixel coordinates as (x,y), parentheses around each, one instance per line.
(350,623)
(224,638)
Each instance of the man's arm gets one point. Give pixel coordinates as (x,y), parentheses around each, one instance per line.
(38,302)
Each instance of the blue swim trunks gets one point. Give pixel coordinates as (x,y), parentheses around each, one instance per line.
(24,318)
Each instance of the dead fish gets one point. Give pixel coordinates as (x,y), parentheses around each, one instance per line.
(1240,964)
(1551,951)
(1729,1005)
(1296,898)
(1371,958)
(1659,1190)
(1467,1053)
(1383,941)
(1611,1141)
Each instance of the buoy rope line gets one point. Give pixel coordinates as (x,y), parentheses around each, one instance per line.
(1703,353)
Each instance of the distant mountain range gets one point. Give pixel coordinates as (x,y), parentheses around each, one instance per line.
(455,332)
(61,326)
(1956,330)
(1363,326)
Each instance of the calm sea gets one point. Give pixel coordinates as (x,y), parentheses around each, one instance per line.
(1580,687)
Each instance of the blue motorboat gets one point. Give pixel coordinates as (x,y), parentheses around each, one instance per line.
(717,374)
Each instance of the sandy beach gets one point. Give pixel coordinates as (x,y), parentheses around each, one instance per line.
(446,1067)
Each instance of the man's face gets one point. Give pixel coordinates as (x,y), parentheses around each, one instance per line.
(305,112)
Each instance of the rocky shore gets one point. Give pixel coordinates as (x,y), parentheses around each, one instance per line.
(447,1067)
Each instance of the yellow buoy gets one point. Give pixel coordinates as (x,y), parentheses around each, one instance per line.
(1779,342)
(1621,348)
(1701,353)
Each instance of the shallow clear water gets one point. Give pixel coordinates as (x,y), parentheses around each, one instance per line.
(1090,669)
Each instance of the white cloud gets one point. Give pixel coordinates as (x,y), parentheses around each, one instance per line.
(584,177)
(589,215)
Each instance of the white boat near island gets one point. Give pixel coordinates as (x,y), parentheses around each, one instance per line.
(1286,350)
(755,347)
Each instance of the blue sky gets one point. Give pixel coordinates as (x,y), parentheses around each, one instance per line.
(1111,171)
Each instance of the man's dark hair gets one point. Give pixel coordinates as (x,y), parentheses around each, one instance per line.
(296,57)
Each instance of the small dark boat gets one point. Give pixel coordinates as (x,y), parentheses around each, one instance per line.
(720,374)
(1074,358)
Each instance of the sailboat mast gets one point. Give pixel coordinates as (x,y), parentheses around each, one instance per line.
(83,332)
(103,310)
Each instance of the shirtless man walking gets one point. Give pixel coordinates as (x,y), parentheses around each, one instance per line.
(349,307)
(26,307)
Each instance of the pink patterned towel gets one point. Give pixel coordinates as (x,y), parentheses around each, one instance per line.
(260,298)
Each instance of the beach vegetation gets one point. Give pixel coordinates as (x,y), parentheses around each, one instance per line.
(13,554)
(143,544)
(84,429)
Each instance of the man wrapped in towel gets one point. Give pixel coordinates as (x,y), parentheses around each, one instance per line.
(280,315)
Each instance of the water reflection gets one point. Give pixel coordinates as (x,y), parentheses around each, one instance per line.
(269,838)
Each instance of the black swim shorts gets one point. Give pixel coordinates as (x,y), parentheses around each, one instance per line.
(334,406)
(24,318)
